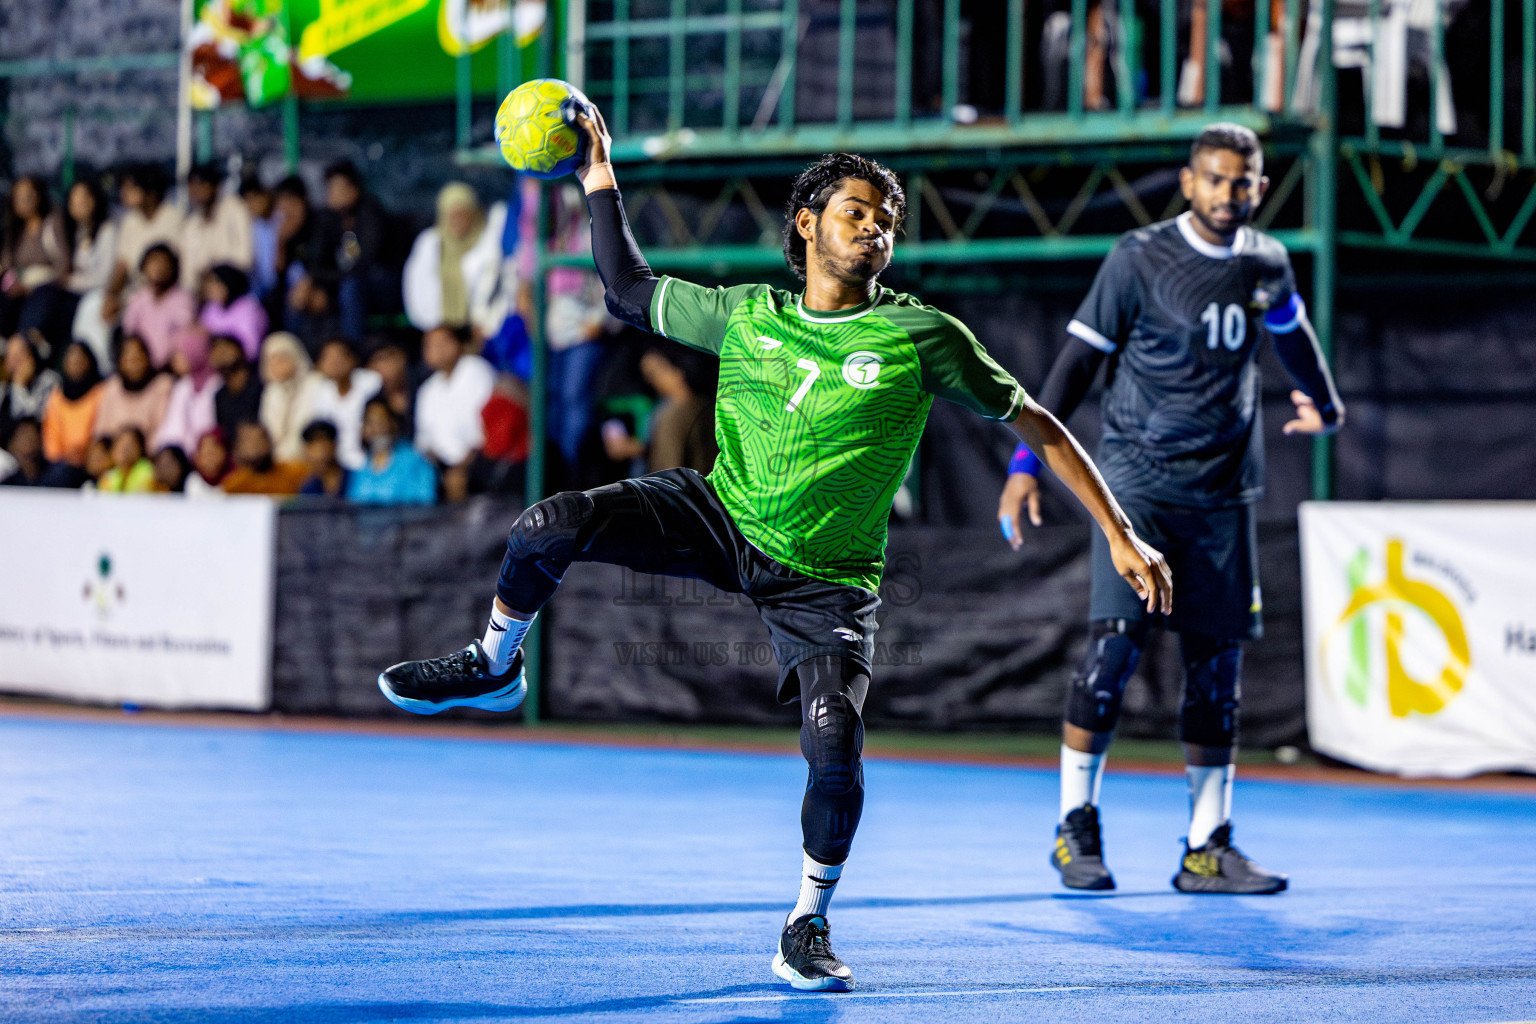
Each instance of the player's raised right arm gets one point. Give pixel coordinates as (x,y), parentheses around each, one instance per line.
(629,286)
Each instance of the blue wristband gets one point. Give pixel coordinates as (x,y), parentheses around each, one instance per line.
(1024,461)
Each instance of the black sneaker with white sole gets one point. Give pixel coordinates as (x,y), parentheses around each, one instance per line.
(1220,867)
(805,958)
(461,680)
(1079,851)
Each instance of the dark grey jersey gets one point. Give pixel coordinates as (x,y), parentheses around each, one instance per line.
(1182,320)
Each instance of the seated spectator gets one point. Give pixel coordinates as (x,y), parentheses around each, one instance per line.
(401,380)
(172,468)
(295,228)
(260,203)
(135,396)
(149,220)
(238,399)
(256,471)
(210,460)
(32,467)
(70,416)
(217,228)
(348,271)
(500,466)
(327,476)
(159,308)
(98,463)
(25,393)
(683,422)
(394,473)
(90,231)
(190,413)
(34,263)
(455,264)
(449,429)
(131,472)
(230,308)
(340,396)
(288,383)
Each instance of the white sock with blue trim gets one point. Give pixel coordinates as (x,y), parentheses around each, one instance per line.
(817,880)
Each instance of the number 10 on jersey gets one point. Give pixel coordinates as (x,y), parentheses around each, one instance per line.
(1230,324)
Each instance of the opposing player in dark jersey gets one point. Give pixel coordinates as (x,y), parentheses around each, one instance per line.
(822,399)
(1177,312)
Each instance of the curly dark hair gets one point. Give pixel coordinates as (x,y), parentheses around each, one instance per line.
(814,189)
(1226,135)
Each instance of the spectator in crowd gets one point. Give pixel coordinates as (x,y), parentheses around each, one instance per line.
(217,228)
(499,468)
(401,380)
(70,415)
(449,429)
(294,224)
(34,264)
(395,473)
(172,468)
(256,471)
(159,308)
(32,467)
(28,384)
(136,395)
(575,321)
(98,462)
(190,413)
(455,264)
(230,308)
(261,206)
(340,395)
(327,476)
(683,422)
(288,385)
(210,460)
(92,235)
(149,220)
(348,271)
(238,400)
(131,472)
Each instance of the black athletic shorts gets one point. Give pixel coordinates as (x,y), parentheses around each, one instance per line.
(1214,555)
(672,523)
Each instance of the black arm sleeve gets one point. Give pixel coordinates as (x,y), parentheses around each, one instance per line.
(1299,355)
(1070,378)
(626,276)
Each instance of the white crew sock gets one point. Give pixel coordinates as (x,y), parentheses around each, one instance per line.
(1081,775)
(817,880)
(503,636)
(1210,800)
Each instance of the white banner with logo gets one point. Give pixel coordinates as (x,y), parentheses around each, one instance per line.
(1421,635)
(143,599)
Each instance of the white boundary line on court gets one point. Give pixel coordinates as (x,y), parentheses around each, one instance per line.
(785,997)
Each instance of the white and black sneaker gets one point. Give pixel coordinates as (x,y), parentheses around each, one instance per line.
(805,958)
(461,680)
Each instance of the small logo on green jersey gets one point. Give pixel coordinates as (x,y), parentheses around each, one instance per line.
(862,370)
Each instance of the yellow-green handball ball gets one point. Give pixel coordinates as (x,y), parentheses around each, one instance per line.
(537,131)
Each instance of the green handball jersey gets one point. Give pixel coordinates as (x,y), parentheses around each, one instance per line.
(818,414)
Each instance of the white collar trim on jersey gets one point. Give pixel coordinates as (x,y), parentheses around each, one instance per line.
(1204,248)
(811,316)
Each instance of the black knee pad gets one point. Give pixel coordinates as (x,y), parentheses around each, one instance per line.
(1212,690)
(1093,700)
(832,740)
(548,529)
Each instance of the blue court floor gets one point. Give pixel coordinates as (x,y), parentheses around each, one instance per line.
(186,874)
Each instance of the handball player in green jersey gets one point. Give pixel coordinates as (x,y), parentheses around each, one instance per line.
(822,400)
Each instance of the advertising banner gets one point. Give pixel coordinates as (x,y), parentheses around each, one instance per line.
(257,51)
(136,599)
(1421,635)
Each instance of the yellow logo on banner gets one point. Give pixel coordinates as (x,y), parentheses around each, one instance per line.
(1405,693)
(344,22)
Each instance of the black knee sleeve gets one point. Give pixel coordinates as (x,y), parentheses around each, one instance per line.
(539,548)
(1211,690)
(832,740)
(1093,700)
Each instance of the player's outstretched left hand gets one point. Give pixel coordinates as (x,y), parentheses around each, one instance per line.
(1308,420)
(1145,569)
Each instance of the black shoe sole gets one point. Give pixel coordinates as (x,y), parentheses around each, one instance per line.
(1103,883)
(1215,885)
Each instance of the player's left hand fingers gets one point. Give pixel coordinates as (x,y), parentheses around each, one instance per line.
(1034,507)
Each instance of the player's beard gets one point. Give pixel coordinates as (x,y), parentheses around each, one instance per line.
(1240,219)
(855,270)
